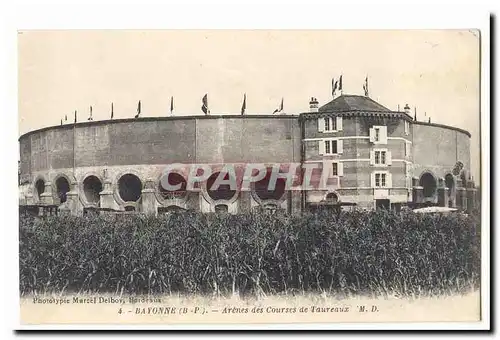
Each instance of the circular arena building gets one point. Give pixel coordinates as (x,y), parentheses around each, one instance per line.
(373,157)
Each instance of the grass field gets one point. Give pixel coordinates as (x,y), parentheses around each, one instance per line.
(255,254)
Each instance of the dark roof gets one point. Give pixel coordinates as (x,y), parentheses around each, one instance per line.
(353,103)
(70,125)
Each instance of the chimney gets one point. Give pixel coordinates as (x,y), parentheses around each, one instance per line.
(313,105)
(407,109)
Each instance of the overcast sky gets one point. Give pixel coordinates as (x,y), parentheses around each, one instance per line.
(63,71)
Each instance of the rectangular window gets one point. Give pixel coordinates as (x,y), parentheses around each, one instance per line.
(381,157)
(335,169)
(334,146)
(331,147)
(380,180)
(377,134)
(330,124)
(407,127)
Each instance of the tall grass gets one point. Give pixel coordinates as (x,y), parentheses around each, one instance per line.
(256,253)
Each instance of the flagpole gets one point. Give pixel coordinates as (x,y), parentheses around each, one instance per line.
(333,88)
(367,91)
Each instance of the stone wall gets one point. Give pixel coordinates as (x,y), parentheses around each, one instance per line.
(438,149)
(144,146)
(355,156)
(110,149)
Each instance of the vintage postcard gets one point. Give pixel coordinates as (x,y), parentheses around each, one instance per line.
(250,177)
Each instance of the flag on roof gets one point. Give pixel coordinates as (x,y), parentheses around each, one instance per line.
(138,109)
(244,105)
(280,107)
(204,107)
(365,87)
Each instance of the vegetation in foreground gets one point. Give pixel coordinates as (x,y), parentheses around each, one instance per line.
(369,253)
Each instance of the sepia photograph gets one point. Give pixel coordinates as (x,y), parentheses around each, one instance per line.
(245,176)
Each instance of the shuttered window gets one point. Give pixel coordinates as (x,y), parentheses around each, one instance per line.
(339,123)
(337,169)
(321,124)
(378,134)
(330,124)
(330,147)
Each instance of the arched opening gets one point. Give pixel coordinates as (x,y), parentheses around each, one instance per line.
(170,209)
(92,186)
(62,188)
(428,182)
(174,179)
(129,208)
(271,208)
(332,198)
(221,209)
(449,182)
(223,192)
(129,188)
(39,188)
(263,191)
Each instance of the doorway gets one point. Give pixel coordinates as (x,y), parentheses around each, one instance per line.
(382,204)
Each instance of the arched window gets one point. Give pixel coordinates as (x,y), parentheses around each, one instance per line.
(264,192)
(223,192)
(92,186)
(39,188)
(428,182)
(332,198)
(62,188)
(130,188)
(174,179)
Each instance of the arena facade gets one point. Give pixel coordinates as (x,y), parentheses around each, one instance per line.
(375,158)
